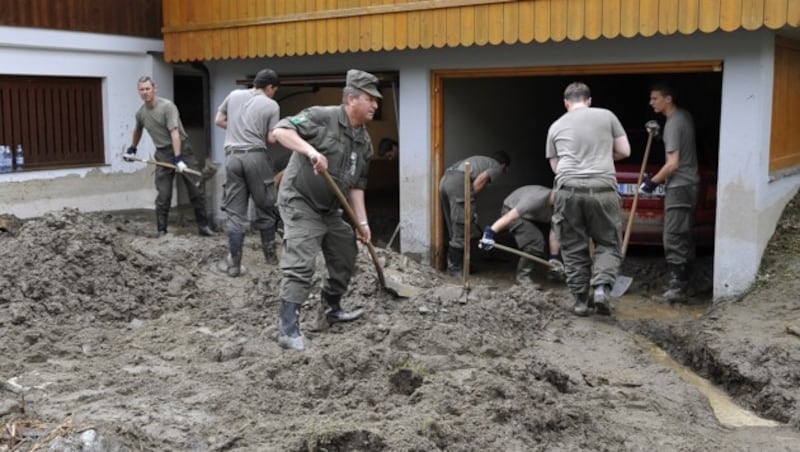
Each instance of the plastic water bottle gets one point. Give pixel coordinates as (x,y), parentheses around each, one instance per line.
(5,159)
(19,158)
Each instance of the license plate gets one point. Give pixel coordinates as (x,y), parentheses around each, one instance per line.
(630,189)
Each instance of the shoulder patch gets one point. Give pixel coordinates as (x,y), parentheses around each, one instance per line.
(298,119)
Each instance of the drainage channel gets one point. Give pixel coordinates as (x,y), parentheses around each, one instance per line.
(728,412)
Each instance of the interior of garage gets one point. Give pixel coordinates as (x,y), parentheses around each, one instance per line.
(513,113)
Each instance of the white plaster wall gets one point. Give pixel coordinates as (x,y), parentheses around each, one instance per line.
(119,61)
(748,204)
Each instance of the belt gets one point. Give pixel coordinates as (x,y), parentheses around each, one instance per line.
(588,190)
(245,151)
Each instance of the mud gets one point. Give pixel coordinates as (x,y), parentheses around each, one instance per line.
(113,340)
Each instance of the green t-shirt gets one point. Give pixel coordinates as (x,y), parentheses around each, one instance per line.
(532,202)
(159,121)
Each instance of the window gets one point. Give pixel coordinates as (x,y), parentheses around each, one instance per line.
(58,120)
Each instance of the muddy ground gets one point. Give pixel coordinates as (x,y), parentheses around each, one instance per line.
(113,340)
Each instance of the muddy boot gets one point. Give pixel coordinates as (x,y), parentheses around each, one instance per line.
(602,299)
(161,224)
(524,274)
(289,335)
(455,261)
(556,272)
(202,223)
(268,246)
(235,242)
(335,313)
(677,285)
(581,307)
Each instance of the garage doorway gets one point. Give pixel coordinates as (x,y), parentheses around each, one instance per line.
(479,111)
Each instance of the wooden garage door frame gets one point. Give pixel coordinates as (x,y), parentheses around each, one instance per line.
(438,77)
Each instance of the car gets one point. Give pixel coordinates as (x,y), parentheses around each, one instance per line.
(648,223)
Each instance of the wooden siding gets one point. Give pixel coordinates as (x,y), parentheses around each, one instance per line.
(785,141)
(224,29)
(140,18)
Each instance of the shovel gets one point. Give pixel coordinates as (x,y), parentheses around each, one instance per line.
(522,254)
(208,170)
(394,288)
(623,282)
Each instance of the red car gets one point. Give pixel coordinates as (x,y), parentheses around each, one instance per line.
(648,224)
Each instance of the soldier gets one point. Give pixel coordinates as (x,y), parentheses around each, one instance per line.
(582,146)
(527,213)
(248,117)
(680,174)
(483,171)
(162,121)
(333,139)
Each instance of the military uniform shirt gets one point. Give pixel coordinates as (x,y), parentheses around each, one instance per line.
(532,202)
(479,164)
(258,115)
(348,150)
(679,136)
(159,121)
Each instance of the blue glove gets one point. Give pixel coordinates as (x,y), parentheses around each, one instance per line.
(487,241)
(180,165)
(648,186)
(129,153)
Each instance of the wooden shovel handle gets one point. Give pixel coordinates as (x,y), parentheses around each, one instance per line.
(352,215)
(166,165)
(632,214)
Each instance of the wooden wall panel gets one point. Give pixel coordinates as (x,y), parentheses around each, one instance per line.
(141,18)
(256,28)
(785,135)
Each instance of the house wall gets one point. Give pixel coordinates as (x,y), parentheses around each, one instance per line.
(119,61)
(744,186)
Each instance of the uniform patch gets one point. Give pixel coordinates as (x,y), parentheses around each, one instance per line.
(299,119)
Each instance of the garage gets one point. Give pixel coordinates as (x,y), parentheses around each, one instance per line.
(480,111)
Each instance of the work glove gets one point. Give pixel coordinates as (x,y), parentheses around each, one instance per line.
(487,241)
(180,165)
(128,157)
(648,186)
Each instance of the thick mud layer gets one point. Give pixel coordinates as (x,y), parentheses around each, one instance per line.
(114,340)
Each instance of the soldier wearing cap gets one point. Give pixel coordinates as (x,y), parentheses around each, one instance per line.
(248,117)
(333,139)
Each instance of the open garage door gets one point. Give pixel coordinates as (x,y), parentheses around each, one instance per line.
(483,110)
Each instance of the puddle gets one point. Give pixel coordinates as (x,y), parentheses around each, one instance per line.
(635,307)
(728,413)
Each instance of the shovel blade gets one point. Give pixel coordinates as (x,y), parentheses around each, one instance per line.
(397,288)
(621,286)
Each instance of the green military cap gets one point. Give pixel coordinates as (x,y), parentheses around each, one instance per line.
(364,81)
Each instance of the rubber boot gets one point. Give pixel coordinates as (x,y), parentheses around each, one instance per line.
(525,272)
(161,224)
(455,261)
(677,285)
(235,242)
(268,246)
(335,313)
(289,335)
(581,307)
(202,223)
(602,300)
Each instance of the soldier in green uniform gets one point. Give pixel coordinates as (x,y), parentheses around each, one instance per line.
(582,146)
(162,121)
(527,213)
(483,171)
(332,138)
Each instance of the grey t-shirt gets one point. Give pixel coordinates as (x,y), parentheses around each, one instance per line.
(348,150)
(479,164)
(159,121)
(583,141)
(251,115)
(679,136)
(532,202)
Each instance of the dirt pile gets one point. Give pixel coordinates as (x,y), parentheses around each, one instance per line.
(117,341)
